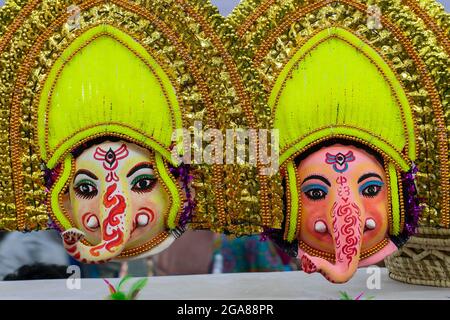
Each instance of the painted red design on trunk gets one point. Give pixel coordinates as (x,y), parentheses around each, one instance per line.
(71,249)
(113,235)
(346,222)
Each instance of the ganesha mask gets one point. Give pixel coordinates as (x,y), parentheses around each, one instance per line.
(345,211)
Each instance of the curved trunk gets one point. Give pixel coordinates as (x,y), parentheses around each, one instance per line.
(347,236)
(116,227)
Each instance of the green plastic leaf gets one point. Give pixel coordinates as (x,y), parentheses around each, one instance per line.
(118,296)
(110,286)
(345,296)
(137,286)
(124,279)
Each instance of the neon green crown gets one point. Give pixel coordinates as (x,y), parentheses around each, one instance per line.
(338,85)
(105,83)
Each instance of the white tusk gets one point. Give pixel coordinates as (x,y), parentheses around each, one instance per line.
(142,219)
(92,222)
(370,224)
(320,226)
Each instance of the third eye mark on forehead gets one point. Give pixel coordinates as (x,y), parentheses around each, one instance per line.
(139,166)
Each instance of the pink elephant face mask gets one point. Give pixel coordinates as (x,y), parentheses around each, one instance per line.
(344,211)
(115,199)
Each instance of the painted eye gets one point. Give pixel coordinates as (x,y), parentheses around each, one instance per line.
(86,189)
(143,183)
(316,194)
(371,190)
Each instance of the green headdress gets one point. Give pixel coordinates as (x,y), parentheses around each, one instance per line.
(105,83)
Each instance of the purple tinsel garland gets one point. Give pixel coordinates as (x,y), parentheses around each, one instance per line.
(268,233)
(412,206)
(50,177)
(182,173)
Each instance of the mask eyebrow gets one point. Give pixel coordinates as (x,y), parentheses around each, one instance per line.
(139,166)
(315,176)
(369,175)
(86,172)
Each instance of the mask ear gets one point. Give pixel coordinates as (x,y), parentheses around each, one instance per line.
(173,190)
(396,214)
(59,198)
(66,203)
(293,203)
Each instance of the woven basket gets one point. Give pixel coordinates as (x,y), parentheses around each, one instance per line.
(424,259)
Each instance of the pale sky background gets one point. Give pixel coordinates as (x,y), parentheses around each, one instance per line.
(225,6)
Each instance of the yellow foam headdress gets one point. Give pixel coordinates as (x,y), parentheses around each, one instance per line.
(105,83)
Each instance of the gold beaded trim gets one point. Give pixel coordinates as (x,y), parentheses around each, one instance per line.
(330,256)
(126,253)
(60,197)
(263,7)
(200,82)
(246,106)
(173,37)
(440,34)
(17,23)
(400,197)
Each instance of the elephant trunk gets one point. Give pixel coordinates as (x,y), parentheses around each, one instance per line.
(116,227)
(347,235)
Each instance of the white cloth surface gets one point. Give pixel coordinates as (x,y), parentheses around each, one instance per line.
(267,286)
